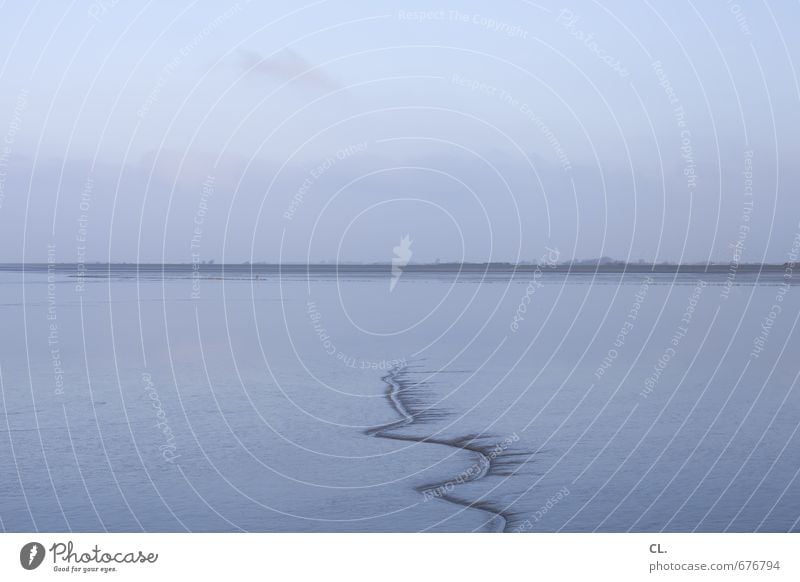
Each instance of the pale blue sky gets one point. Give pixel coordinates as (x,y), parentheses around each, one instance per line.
(491,129)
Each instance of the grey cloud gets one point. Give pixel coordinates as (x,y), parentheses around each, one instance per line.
(284,66)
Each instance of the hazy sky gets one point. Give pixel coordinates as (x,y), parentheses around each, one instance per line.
(167,131)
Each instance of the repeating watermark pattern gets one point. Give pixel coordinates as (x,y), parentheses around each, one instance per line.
(198,222)
(625,330)
(523,108)
(7,146)
(402,256)
(744,226)
(168,71)
(53,333)
(473,18)
(569,20)
(317,172)
(473,471)
(540,513)
(477,117)
(679,114)
(99,8)
(169,448)
(549,260)
(760,341)
(82,234)
(315,317)
(740,17)
(675,341)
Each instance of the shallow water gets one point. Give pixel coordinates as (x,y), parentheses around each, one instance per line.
(317,403)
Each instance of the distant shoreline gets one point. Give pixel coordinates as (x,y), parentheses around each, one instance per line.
(385,268)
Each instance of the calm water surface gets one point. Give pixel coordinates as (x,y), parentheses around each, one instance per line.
(315,403)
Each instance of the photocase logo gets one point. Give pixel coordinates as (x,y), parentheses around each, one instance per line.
(402,255)
(32,555)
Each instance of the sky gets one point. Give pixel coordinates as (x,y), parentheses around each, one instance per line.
(329,130)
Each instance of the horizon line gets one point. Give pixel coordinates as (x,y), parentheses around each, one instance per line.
(579,263)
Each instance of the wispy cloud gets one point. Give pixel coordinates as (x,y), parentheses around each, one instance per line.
(284,66)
